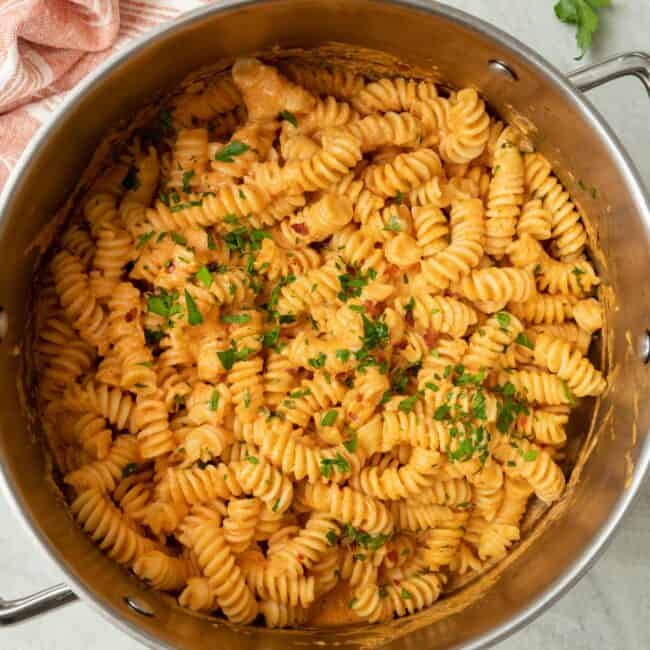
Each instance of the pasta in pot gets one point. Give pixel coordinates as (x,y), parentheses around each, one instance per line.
(322,339)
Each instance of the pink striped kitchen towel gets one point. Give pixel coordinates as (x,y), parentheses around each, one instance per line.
(47,46)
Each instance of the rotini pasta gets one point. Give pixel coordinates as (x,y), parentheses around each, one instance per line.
(325,335)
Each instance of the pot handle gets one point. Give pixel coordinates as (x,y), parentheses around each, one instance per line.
(621,65)
(21,609)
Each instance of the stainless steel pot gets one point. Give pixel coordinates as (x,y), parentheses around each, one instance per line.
(466,52)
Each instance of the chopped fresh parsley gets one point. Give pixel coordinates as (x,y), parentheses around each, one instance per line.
(236,319)
(567,393)
(407,404)
(270,337)
(503,318)
(164,304)
(213,404)
(394,224)
(230,356)
(529,456)
(241,239)
(351,444)
(353,283)
(509,408)
(153,336)
(143,239)
(289,117)
(338,462)
(318,361)
(204,276)
(522,339)
(194,316)
(331,537)
(234,148)
(297,394)
(329,418)
(367,541)
(375,333)
(187,177)
(253,460)
(343,355)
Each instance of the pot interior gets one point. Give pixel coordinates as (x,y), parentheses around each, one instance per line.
(405,38)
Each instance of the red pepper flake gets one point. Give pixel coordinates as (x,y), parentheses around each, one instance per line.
(392,556)
(521,421)
(300,228)
(300,557)
(373,309)
(431,337)
(130,315)
(171,267)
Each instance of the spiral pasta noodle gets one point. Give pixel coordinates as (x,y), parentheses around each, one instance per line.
(311,333)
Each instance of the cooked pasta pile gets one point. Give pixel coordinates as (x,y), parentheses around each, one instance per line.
(315,332)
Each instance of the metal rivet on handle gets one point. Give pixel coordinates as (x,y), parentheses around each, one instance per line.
(644,347)
(138,606)
(503,69)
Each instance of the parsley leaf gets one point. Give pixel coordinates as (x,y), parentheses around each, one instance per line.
(331,537)
(583,14)
(187,177)
(522,339)
(343,355)
(232,354)
(407,404)
(338,462)
(394,225)
(214,400)
(289,117)
(194,316)
(234,148)
(329,418)
(270,338)
(164,304)
(352,443)
(503,318)
(178,239)
(143,239)
(237,319)
(204,276)
(319,361)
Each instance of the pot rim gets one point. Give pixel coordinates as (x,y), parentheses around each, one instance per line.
(600,541)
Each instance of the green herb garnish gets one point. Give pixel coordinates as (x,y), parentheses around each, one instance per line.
(234,148)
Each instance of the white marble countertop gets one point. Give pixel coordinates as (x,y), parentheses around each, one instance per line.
(609,607)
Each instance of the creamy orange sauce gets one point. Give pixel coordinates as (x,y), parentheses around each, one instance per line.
(333,608)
